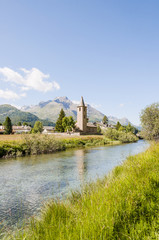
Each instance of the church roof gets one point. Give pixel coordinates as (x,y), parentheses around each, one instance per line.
(82,102)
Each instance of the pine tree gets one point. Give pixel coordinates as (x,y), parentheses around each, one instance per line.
(105,120)
(118,125)
(59,127)
(8,126)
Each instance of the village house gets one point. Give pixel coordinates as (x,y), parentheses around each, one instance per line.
(2,129)
(21,129)
(48,130)
(16,129)
(105,126)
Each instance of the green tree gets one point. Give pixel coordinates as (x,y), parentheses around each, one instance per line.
(8,126)
(132,129)
(25,124)
(118,125)
(99,129)
(129,128)
(19,124)
(58,126)
(38,127)
(68,123)
(121,129)
(105,120)
(150,122)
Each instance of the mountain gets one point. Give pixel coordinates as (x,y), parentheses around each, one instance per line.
(18,115)
(48,112)
(123,121)
(51,109)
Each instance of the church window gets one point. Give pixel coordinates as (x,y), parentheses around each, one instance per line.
(79,109)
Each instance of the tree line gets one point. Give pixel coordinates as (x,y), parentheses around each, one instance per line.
(149,120)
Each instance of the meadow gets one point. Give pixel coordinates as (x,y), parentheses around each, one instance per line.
(124,205)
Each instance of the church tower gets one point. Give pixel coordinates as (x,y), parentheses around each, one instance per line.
(82,116)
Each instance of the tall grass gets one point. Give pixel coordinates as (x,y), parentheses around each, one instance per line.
(88,142)
(38,144)
(12,149)
(41,144)
(124,205)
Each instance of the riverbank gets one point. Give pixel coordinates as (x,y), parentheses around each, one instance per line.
(33,144)
(124,205)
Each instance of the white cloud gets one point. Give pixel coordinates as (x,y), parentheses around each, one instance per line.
(7,94)
(121,105)
(23,95)
(29,79)
(24,88)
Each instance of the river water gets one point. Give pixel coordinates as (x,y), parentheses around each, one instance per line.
(25,183)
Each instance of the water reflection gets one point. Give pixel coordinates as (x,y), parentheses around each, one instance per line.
(81,163)
(27,182)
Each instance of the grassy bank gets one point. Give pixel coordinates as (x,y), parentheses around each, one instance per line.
(40,144)
(124,205)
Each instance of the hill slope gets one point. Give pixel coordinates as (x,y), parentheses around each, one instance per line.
(17,115)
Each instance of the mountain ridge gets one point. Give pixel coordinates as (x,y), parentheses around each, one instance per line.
(48,112)
(51,109)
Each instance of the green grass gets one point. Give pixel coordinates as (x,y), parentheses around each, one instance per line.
(124,205)
(30,144)
(88,142)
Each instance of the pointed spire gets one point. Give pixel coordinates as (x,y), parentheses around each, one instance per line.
(82,102)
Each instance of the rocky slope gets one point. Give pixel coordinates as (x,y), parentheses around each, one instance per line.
(50,110)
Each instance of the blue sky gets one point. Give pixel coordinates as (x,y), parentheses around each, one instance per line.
(105,51)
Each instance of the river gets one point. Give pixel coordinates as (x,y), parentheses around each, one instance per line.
(25,183)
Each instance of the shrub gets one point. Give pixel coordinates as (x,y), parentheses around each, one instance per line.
(38,143)
(123,137)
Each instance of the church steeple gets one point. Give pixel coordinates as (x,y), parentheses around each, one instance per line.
(82,116)
(82,102)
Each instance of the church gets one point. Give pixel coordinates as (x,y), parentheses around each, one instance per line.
(82,124)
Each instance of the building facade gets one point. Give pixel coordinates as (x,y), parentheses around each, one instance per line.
(82,121)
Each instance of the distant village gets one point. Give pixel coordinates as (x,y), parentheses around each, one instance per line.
(81,127)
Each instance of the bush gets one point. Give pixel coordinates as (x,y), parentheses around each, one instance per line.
(38,143)
(123,137)
(112,134)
